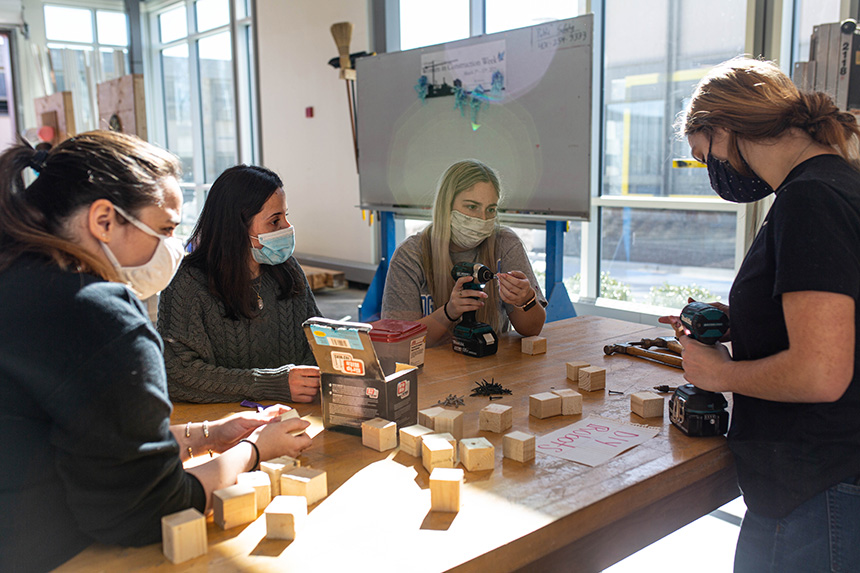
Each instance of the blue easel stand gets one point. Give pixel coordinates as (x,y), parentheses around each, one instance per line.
(559,306)
(371,307)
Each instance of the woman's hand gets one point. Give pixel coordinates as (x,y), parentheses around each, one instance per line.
(275,439)
(680,330)
(704,364)
(463,300)
(226,433)
(514,288)
(304,383)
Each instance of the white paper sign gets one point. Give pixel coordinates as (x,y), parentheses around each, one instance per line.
(594,440)
(473,66)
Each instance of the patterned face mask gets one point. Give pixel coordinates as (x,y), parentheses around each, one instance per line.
(731,185)
(468,232)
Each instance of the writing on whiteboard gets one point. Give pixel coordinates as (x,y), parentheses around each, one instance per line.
(558,35)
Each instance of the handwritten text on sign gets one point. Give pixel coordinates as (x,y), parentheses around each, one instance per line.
(594,440)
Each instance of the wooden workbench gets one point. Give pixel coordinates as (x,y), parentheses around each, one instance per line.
(546,515)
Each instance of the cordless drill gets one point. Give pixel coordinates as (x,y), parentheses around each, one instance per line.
(471,337)
(694,411)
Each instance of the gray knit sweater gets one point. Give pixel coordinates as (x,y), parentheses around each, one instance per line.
(210,358)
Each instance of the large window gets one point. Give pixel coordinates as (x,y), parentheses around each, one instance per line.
(657,233)
(85,47)
(206,102)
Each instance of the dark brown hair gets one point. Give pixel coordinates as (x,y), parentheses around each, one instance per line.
(222,245)
(123,169)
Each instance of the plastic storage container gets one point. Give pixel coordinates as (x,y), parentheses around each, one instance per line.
(398,341)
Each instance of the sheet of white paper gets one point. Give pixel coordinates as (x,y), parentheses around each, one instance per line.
(594,440)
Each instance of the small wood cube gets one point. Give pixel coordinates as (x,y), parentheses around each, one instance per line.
(275,467)
(495,418)
(436,452)
(262,485)
(451,422)
(289,414)
(534,345)
(573,369)
(592,378)
(647,404)
(518,446)
(427,417)
(445,484)
(477,454)
(183,535)
(285,516)
(307,482)
(544,405)
(234,505)
(410,439)
(571,401)
(379,434)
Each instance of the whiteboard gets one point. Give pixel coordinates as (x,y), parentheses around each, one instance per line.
(535,131)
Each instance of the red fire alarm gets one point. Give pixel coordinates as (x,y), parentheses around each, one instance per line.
(309,112)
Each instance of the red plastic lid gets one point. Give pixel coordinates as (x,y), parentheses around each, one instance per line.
(388,330)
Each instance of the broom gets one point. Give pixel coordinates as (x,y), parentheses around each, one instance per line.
(342,34)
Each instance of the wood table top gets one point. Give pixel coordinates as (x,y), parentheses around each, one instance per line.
(546,514)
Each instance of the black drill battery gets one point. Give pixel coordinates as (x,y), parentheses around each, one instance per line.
(698,412)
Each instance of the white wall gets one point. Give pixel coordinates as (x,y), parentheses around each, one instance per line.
(314,157)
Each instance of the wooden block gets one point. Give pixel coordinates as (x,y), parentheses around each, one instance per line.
(573,369)
(647,404)
(234,505)
(592,378)
(379,434)
(445,484)
(184,535)
(289,414)
(410,439)
(544,405)
(477,454)
(451,422)
(518,446)
(534,345)
(307,482)
(427,417)
(275,467)
(436,452)
(495,418)
(285,516)
(571,401)
(262,485)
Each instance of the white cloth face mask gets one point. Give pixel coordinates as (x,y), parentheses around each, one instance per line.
(154,275)
(468,232)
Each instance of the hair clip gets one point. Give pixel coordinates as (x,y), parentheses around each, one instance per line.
(37,161)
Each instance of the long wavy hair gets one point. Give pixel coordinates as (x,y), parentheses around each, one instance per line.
(436,238)
(123,169)
(754,100)
(222,245)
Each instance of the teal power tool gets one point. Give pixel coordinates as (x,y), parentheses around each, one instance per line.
(694,411)
(471,337)
(706,323)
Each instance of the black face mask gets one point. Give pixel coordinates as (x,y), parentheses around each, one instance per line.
(731,185)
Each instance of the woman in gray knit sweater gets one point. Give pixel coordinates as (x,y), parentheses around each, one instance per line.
(232,317)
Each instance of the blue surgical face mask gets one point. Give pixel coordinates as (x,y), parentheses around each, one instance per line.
(277,246)
(732,185)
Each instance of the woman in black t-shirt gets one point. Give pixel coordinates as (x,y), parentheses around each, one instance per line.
(795,429)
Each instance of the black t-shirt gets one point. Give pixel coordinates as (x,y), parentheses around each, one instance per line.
(84,415)
(810,241)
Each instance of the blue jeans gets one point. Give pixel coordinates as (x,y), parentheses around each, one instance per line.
(823,534)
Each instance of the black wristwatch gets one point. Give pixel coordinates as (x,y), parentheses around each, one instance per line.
(527,306)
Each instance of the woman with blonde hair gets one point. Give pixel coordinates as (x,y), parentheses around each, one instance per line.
(793,368)
(88,451)
(465,228)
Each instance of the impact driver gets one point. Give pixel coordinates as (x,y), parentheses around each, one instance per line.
(471,337)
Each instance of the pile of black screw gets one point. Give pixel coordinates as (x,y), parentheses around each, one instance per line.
(452,400)
(492,389)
